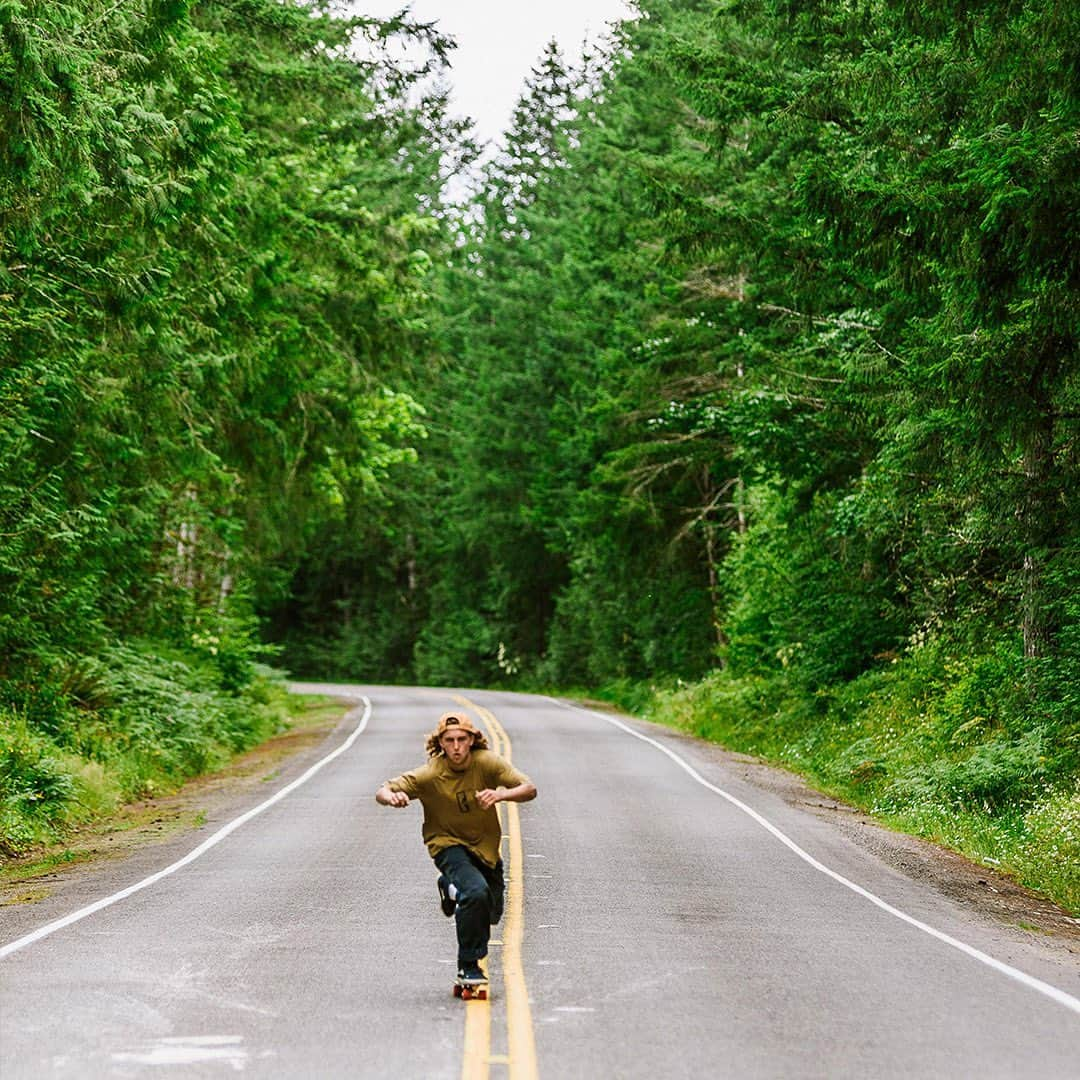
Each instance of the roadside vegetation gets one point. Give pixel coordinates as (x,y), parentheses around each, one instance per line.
(212,229)
(745,385)
(122,726)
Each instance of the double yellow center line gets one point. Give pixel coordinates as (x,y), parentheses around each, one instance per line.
(521,1047)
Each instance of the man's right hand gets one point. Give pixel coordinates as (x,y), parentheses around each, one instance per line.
(391,798)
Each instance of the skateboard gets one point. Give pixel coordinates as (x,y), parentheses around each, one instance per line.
(470,991)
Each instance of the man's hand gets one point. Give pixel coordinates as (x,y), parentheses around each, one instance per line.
(391,798)
(489,797)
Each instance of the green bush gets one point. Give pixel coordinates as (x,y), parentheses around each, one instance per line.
(802,597)
(124,724)
(36,790)
(995,775)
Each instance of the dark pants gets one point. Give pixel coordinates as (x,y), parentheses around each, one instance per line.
(480,891)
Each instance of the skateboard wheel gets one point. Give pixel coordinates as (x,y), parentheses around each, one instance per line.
(458,991)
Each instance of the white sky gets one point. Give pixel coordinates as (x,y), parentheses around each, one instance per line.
(499,41)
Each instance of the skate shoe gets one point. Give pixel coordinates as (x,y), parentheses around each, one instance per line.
(447,896)
(471,983)
(471,975)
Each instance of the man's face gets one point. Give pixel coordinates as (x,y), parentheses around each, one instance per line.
(457,745)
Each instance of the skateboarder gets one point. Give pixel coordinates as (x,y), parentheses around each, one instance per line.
(458,788)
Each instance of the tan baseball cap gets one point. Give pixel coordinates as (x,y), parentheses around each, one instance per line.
(457,721)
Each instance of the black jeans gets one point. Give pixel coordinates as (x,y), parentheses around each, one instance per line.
(480,892)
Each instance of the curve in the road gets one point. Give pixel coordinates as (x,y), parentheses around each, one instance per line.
(202,849)
(1052,992)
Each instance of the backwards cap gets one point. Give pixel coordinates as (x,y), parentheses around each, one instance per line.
(458,721)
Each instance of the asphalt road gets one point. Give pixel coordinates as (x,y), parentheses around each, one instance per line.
(665,932)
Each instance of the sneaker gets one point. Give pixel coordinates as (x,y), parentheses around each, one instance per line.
(471,975)
(447,896)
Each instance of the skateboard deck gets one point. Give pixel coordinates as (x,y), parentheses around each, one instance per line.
(470,991)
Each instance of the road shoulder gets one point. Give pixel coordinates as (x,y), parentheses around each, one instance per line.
(142,837)
(984,892)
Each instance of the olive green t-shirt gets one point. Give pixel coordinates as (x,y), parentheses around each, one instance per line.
(452,815)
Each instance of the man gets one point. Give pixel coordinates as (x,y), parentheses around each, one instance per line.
(458,788)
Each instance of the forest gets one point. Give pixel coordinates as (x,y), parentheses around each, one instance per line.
(740,389)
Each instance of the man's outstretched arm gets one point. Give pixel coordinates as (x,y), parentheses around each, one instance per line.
(385,797)
(522,793)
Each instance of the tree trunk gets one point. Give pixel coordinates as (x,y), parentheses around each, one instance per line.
(1037,533)
(709,497)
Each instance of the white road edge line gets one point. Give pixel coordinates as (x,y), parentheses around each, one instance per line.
(191,856)
(1052,992)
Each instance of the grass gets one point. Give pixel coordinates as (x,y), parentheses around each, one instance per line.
(45,865)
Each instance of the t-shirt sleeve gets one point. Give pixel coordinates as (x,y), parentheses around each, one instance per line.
(503,774)
(412,783)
